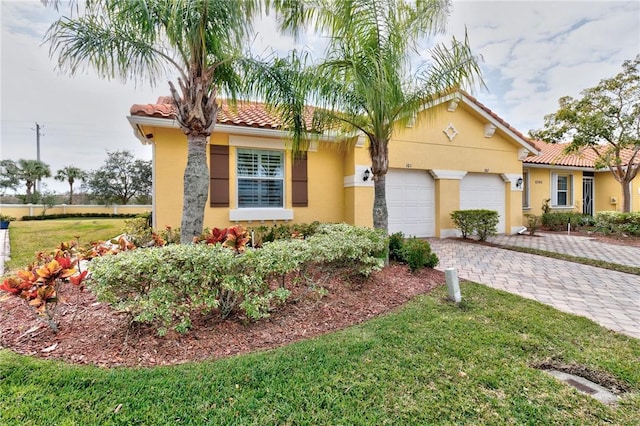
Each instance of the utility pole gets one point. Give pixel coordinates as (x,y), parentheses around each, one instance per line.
(38,127)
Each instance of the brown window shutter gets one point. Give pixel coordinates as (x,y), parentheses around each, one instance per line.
(219,173)
(299,180)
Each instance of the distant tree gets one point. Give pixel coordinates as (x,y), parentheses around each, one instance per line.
(9,176)
(120,179)
(70,174)
(30,171)
(607,121)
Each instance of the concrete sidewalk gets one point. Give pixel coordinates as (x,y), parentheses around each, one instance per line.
(609,298)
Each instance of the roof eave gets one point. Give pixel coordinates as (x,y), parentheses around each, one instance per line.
(136,121)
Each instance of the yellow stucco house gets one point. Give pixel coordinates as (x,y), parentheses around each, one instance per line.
(460,156)
(571,183)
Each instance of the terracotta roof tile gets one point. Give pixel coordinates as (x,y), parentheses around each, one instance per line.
(245,114)
(553,154)
(255,114)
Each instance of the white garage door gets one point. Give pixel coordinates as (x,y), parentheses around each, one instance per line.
(483,191)
(411,202)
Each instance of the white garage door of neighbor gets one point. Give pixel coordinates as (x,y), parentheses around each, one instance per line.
(411,202)
(483,191)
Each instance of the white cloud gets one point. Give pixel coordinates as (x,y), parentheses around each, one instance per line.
(534,53)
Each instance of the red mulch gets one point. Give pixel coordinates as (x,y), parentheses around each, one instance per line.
(93,333)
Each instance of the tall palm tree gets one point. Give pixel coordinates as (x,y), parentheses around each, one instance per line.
(365,83)
(31,171)
(70,174)
(199,40)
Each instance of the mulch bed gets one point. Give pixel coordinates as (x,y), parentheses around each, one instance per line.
(93,333)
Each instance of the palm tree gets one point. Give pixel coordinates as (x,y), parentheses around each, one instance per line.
(365,83)
(31,171)
(199,40)
(70,174)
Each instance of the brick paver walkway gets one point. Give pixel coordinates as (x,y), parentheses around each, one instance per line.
(609,298)
(575,246)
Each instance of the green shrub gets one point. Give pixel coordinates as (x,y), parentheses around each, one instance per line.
(396,242)
(266,234)
(165,285)
(533,223)
(487,224)
(417,254)
(481,222)
(464,221)
(558,221)
(74,215)
(618,223)
(138,231)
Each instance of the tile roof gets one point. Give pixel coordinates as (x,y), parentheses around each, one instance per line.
(553,154)
(245,114)
(255,114)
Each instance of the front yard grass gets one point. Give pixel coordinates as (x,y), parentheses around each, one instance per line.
(30,237)
(431,362)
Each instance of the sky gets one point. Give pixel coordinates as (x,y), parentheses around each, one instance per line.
(534,52)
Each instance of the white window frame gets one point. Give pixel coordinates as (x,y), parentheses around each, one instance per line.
(257,213)
(260,177)
(555,191)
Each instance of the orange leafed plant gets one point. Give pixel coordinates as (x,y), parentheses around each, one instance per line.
(38,283)
(237,238)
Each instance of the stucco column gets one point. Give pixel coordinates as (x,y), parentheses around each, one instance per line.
(447,200)
(358,197)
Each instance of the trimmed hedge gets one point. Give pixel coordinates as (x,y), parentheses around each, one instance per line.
(165,285)
(618,223)
(482,222)
(72,215)
(558,221)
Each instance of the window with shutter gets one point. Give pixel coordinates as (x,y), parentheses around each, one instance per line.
(260,179)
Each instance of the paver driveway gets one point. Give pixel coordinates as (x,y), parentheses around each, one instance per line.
(609,298)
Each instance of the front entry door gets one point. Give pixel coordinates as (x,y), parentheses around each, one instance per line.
(587,195)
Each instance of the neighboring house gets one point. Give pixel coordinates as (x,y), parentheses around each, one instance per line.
(459,155)
(571,183)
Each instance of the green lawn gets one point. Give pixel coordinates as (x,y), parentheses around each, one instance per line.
(429,363)
(31,237)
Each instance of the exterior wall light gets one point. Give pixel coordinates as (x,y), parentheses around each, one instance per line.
(519,183)
(367,173)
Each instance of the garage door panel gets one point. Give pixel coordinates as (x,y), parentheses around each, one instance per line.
(410,202)
(484,191)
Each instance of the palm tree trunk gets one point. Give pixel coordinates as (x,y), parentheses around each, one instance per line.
(196,187)
(379,153)
(70,193)
(380,213)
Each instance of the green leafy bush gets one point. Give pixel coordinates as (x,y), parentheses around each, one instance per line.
(482,222)
(265,234)
(165,285)
(417,254)
(533,223)
(396,242)
(464,221)
(618,223)
(558,221)
(75,215)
